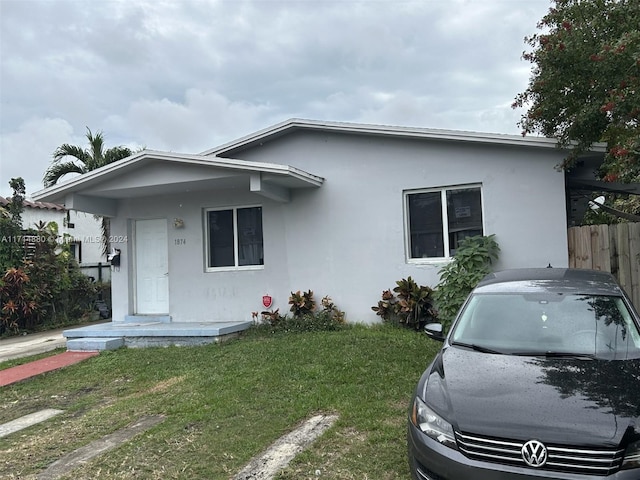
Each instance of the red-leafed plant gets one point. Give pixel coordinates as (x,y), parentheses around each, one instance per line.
(19,305)
(302,303)
(411,305)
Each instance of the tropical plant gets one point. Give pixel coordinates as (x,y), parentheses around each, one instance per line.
(585,83)
(411,305)
(331,310)
(40,280)
(84,160)
(70,159)
(63,292)
(11,247)
(471,262)
(302,303)
(19,303)
(271,317)
(305,318)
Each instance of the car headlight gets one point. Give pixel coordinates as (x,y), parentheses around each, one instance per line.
(432,424)
(631,456)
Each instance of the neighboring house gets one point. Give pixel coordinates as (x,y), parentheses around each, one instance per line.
(341,209)
(79,229)
(36,212)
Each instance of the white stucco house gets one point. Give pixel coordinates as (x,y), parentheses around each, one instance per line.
(342,209)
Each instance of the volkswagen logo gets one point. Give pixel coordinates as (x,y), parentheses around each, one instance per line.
(534,453)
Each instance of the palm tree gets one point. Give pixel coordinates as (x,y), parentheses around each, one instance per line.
(83,161)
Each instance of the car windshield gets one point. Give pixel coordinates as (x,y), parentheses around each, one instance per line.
(548,323)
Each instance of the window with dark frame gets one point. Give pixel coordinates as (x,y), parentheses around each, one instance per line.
(439,219)
(234,237)
(75,247)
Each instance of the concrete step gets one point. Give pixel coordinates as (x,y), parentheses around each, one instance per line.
(89,344)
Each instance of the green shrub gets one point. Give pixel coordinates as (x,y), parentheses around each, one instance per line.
(312,322)
(11,245)
(471,262)
(64,293)
(40,282)
(305,317)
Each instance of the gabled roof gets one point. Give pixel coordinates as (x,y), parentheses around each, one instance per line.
(114,180)
(294,124)
(167,172)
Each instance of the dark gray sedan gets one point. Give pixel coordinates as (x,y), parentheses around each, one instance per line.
(539,377)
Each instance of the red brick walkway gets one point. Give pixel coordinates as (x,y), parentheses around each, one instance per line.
(28,370)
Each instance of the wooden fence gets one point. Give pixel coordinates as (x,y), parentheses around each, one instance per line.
(612,248)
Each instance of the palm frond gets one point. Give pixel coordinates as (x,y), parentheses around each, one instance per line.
(105,227)
(58,170)
(96,148)
(116,153)
(67,150)
(84,160)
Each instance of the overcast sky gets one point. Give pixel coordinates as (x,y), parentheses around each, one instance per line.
(188,75)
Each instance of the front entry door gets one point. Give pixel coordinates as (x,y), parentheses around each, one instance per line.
(152,267)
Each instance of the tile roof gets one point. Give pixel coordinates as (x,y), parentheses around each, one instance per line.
(30,204)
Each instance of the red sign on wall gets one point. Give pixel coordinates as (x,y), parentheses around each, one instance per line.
(267,301)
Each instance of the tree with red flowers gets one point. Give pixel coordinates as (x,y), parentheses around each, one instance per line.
(585,82)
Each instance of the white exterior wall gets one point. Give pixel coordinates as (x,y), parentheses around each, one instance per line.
(86,231)
(346,239)
(32,216)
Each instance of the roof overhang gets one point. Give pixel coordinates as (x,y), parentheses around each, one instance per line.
(150,173)
(288,126)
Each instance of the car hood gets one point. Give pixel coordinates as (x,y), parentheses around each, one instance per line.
(555,400)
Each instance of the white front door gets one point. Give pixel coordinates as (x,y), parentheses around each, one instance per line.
(152,267)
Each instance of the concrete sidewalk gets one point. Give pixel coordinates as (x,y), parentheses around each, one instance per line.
(34,344)
(31,344)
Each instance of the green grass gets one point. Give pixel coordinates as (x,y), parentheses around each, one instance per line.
(225,404)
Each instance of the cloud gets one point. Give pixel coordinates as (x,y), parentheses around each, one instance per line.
(28,151)
(187,75)
(199,121)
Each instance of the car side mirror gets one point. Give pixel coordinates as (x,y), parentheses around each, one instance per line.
(434,330)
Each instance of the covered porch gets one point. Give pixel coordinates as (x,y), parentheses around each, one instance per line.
(164,292)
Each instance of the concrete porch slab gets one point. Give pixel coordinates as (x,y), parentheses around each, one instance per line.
(148,334)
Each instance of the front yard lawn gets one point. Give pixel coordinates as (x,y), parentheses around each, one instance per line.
(225,404)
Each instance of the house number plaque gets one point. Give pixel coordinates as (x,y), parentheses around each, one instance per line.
(180,241)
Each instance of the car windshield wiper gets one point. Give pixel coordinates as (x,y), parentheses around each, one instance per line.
(551,354)
(477,348)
